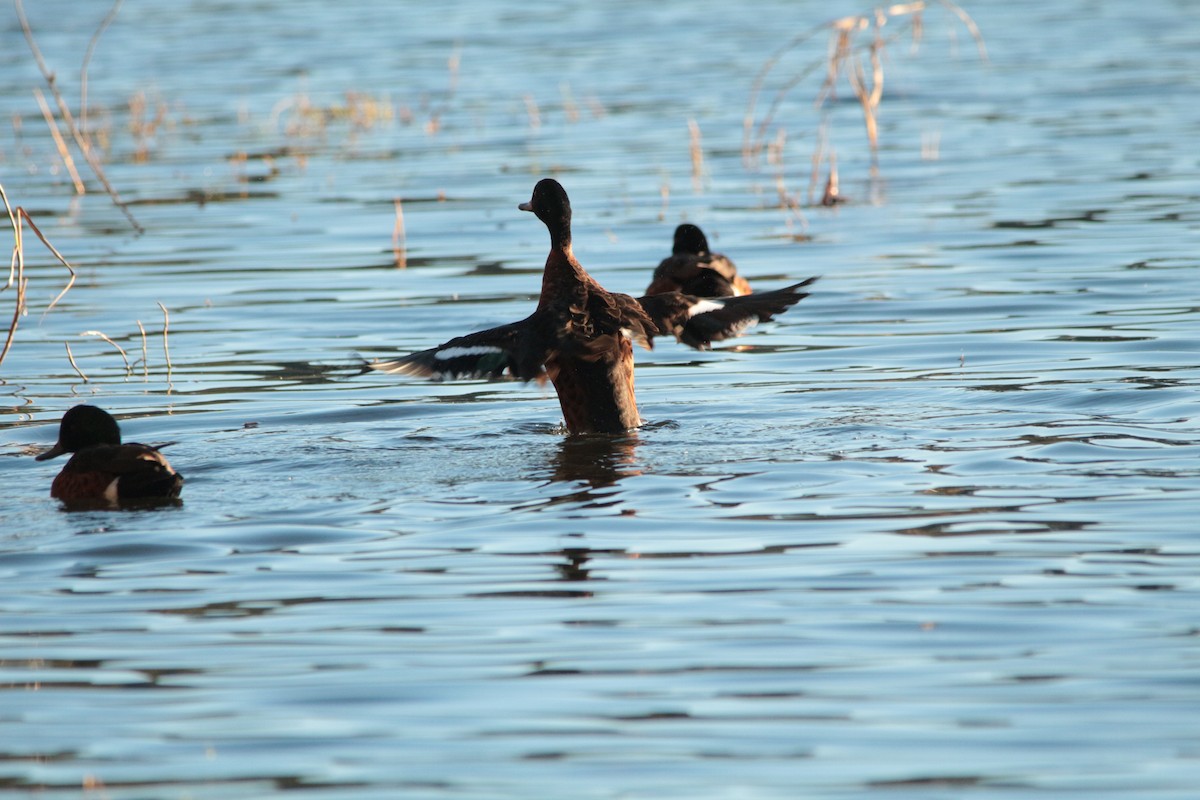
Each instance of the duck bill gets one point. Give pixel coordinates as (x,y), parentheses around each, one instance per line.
(53,452)
(527,206)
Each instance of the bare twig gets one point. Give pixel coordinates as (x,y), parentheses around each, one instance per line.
(70,282)
(121,350)
(74,366)
(63,152)
(976,34)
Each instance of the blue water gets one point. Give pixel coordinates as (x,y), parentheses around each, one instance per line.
(932,534)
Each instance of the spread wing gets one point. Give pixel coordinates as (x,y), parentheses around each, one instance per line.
(698,322)
(505,351)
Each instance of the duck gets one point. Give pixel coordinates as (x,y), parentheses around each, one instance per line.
(694,269)
(580,336)
(102,470)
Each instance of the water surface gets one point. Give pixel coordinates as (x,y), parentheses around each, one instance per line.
(931,534)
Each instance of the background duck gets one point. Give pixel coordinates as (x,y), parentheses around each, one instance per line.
(693,269)
(581,336)
(102,469)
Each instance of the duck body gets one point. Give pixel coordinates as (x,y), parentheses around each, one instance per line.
(590,360)
(693,269)
(102,469)
(581,336)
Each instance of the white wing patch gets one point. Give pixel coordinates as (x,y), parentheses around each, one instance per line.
(705,306)
(738,328)
(448,353)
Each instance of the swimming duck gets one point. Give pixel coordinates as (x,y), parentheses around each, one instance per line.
(104,471)
(581,336)
(693,269)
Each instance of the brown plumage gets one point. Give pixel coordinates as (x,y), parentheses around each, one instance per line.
(581,336)
(693,269)
(103,471)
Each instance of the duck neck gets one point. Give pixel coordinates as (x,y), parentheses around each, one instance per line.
(563,273)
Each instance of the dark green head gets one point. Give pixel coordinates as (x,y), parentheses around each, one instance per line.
(552,207)
(83,427)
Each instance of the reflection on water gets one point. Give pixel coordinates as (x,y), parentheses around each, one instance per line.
(598,461)
(932,533)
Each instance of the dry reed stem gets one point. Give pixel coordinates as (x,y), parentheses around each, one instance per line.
(16,271)
(971,27)
(531,108)
(453,65)
(63,152)
(74,366)
(696,149)
(664,191)
(89,153)
(789,203)
(869,99)
(570,109)
(931,145)
(12,219)
(760,78)
(18,217)
(71,281)
(145,352)
(83,69)
(841,59)
(12,327)
(399,251)
(832,196)
(121,350)
(166,348)
(818,156)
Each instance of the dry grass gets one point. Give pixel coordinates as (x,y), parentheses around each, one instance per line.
(18,280)
(145,125)
(90,154)
(855,56)
(299,117)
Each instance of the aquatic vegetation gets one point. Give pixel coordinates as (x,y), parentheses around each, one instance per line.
(18,217)
(843,61)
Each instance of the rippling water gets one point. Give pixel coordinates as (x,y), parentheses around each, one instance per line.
(932,534)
